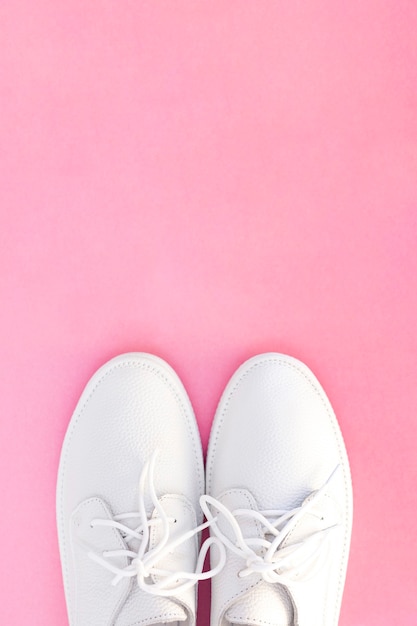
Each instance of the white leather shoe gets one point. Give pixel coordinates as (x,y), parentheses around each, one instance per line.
(130,477)
(278,481)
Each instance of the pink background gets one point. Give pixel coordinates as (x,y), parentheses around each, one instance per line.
(206,181)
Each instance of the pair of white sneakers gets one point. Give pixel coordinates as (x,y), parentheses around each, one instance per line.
(131,497)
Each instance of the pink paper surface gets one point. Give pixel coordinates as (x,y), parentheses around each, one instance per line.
(207,181)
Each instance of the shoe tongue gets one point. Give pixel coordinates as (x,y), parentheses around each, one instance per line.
(146,608)
(265,604)
(259,603)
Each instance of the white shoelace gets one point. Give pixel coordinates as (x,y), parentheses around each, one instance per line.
(143,562)
(275,562)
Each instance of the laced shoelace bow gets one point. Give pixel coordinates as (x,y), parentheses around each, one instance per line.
(277,563)
(143,562)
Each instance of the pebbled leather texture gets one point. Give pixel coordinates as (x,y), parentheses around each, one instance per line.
(275,438)
(133,405)
(247,600)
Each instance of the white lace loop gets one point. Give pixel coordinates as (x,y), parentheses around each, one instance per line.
(144,560)
(268,556)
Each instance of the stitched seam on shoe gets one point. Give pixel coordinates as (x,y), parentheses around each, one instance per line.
(258,524)
(257,621)
(235,596)
(145,366)
(147,619)
(118,539)
(336,432)
(186,507)
(244,493)
(285,543)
